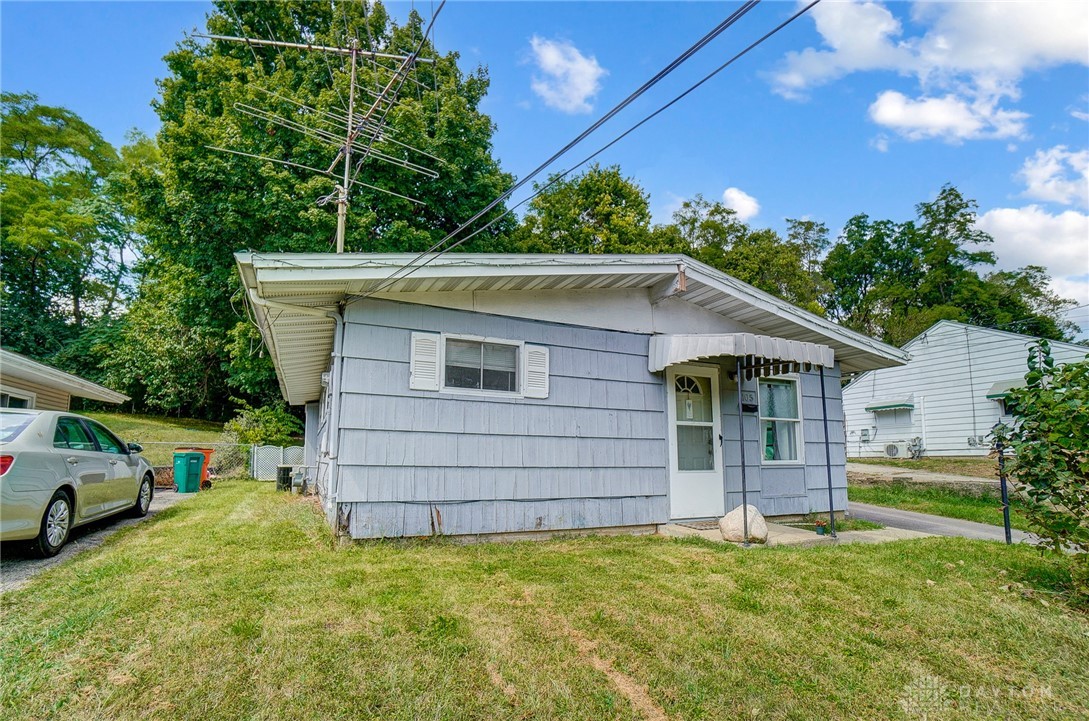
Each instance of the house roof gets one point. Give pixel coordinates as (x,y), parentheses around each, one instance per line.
(14,366)
(291,294)
(975,332)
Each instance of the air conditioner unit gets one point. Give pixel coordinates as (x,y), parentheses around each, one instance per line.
(896,450)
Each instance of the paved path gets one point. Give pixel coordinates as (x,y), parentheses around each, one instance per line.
(18,564)
(781,535)
(895,473)
(936,525)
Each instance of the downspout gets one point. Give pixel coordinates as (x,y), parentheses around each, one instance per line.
(338,370)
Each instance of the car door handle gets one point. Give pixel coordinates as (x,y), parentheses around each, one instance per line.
(113,461)
(72,459)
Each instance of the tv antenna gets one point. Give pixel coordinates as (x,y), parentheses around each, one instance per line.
(352,135)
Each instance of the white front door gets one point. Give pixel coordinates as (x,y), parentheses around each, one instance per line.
(695,453)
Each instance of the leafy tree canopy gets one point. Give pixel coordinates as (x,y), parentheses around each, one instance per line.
(197,206)
(66,243)
(893,280)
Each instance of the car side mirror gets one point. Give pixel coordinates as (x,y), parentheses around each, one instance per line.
(134,447)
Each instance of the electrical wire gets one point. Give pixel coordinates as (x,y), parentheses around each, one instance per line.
(431,258)
(676,62)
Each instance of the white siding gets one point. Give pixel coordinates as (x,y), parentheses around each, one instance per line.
(951,369)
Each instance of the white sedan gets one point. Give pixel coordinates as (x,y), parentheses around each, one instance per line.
(61,470)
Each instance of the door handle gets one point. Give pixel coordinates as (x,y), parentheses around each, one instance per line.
(113,462)
(72,459)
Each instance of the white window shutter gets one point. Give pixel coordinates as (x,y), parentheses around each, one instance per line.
(424,367)
(536,372)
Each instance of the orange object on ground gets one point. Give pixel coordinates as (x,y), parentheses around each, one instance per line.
(207,459)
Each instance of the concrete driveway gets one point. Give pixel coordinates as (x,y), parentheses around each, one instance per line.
(936,525)
(18,564)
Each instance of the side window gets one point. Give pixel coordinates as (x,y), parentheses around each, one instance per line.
(71,434)
(780,420)
(107,441)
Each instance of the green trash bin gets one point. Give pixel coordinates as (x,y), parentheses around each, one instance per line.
(187,469)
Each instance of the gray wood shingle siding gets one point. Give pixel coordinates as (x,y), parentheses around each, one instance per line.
(789,489)
(592,454)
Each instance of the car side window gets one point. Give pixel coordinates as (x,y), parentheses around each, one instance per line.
(71,434)
(107,441)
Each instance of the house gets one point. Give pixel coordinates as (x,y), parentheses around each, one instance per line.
(25,383)
(489,394)
(946,398)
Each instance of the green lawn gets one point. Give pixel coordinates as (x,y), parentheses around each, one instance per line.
(236,604)
(145,429)
(938,500)
(976,467)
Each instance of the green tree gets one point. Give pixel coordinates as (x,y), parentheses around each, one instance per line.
(894,280)
(201,205)
(599,211)
(714,235)
(1050,445)
(65,242)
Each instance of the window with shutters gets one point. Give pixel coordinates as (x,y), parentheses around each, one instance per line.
(452,363)
(479,365)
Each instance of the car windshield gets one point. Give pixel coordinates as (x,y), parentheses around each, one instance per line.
(12,424)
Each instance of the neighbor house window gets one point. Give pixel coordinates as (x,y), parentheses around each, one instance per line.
(16,400)
(780,420)
(480,365)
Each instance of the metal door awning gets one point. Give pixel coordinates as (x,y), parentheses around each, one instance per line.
(667,350)
(891,404)
(1001,389)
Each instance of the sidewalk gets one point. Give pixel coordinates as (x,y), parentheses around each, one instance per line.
(865,471)
(780,535)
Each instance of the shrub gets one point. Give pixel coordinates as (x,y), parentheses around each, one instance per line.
(265,425)
(1050,443)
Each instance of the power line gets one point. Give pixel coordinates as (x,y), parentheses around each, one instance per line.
(396,274)
(673,65)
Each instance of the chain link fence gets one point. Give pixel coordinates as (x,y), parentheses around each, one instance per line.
(266,459)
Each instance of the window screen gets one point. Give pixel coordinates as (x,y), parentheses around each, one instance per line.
(481,366)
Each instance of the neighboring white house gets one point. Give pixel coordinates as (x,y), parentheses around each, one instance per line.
(484,394)
(948,396)
(26,383)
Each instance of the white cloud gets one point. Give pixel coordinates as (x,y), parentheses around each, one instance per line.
(948,117)
(569,80)
(1058,175)
(969,60)
(1032,236)
(744,204)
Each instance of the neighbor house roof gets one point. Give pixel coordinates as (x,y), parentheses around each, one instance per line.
(301,341)
(14,366)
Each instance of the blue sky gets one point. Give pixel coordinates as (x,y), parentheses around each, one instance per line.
(854,108)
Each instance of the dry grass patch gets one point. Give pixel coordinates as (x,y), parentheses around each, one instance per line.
(975,467)
(239,605)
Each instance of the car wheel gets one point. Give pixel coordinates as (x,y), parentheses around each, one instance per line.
(143,498)
(56,523)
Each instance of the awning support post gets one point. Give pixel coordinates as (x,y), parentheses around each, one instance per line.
(741,432)
(827,456)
